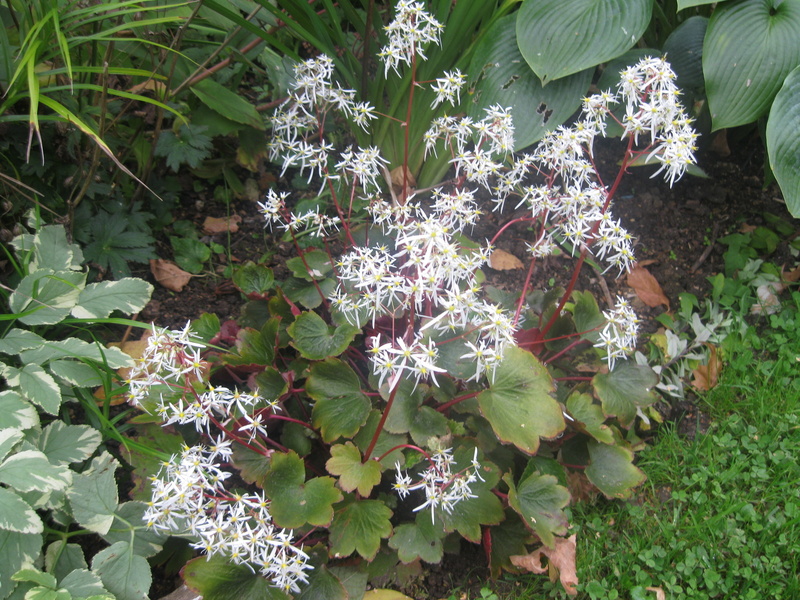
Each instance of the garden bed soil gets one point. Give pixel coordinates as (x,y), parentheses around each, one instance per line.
(676,229)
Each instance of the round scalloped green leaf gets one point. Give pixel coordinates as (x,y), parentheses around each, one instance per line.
(562,37)
(323,584)
(359,526)
(345,463)
(503,78)
(254,280)
(684,51)
(420,540)
(624,389)
(783,141)
(612,470)
(507,540)
(315,340)
(540,501)
(590,415)
(341,408)
(518,403)
(296,501)
(313,265)
(750,48)
(216,578)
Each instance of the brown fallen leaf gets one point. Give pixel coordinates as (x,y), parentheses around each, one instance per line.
(561,563)
(168,274)
(647,287)
(707,376)
(660,594)
(768,301)
(500,260)
(215,225)
(400,177)
(792,276)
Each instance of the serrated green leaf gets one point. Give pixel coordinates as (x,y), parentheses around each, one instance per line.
(35,576)
(227,103)
(47,295)
(427,423)
(61,559)
(188,146)
(750,47)
(562,37)
(98,300)
(64,444)
(420,540)
(253,280)
(296,501)
(783,143)
(502,77)
(323,584)
(93,497)
(16,412)
(37,386)
(256,346)
(82,583)
(340,407)
(17,515)
(313,265)
(624,389)
(591,416)
(540,501)
(253,466)
(53,251)
(612,470)
(306,293)
(507,540)
(124,574)
(129,526)
(77,349)
(216,578)
(17,340)
(518,403)
(359,526)
(8,439)
(30,470)
(190,254)
(345,463)
(76,373)
(386,441)
(315,340)
(16,550)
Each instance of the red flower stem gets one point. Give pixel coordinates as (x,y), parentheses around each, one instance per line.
(564,351)
(409,446)
(382,422)
(455,401)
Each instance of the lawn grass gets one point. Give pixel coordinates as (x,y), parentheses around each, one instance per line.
(719,516)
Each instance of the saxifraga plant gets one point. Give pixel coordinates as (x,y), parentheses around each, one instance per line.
(407,381)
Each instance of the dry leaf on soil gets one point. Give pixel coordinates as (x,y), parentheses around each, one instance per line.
(500,260)
(168,274)
(215,225)
(562,558)
(647,287)
(706,376)
(660,595)
(768,301)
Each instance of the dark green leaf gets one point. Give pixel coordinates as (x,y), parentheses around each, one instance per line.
(227,103)
(216,578)
(359,526)
(612,470)
(316,341)
(591,416)
(624,389)
(253,280)
(540,501)
(420,540)
(345,463)
(783,143)
(341,408)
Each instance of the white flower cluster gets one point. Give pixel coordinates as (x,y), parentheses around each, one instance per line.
(443,488)
(189,496)
(618,337)
(411,29)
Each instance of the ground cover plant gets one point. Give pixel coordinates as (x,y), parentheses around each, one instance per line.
(57,478)
(411,406)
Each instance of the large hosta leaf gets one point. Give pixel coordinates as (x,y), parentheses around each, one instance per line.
(316,341)
(502,77)
(341,408)
(612,470)
(359,526)
(684,51)
(540,501)
(296,501)
(783,141)
(562,37)
(750,48)
(217,578)
(518,403)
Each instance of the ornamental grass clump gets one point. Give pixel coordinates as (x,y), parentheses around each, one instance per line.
(396,402)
